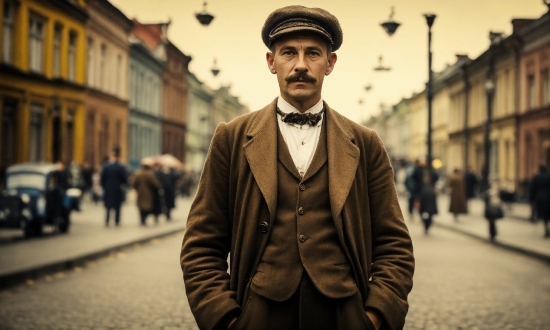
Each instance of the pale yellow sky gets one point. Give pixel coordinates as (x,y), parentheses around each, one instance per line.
(233,37)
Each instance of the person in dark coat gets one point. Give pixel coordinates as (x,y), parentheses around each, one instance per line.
(540,194)
(471,181)
(87,178)
(113,180)
(168,181)
(425,179)
(458,204)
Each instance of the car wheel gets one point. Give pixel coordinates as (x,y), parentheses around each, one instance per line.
(32,229)
(64,225)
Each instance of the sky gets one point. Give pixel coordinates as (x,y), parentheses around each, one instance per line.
(233,39)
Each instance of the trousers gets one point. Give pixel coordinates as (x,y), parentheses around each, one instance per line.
(306,309)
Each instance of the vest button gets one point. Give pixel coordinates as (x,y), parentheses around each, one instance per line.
(263,227)
(302,238)
(302,187)
(301,211)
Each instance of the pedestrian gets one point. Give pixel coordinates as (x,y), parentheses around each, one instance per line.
(410,184)
(458,204)
(113,182)
(147,186)
(471,181)
(158,196)
(425,178)
(87,180)
(493,209)
(304,202)
(168,180)
(540,194)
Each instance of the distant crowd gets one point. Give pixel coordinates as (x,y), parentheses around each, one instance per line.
(421,184)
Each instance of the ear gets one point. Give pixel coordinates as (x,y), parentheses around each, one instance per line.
(270,58)
(331,63)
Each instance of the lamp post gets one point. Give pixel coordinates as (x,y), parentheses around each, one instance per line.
(204,17)
(430,18)
(489,91)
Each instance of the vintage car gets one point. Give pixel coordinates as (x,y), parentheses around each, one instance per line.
(34,197)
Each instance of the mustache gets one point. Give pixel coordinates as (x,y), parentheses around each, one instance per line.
(301,76)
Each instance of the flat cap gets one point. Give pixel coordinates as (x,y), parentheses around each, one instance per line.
(299,18)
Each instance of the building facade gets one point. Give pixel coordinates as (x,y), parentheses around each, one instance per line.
(107,91)
(145,121)
(534,101)
(418,126)
(174,112)
(198,123)
(42,49)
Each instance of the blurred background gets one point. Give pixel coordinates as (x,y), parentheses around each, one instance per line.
(95,95)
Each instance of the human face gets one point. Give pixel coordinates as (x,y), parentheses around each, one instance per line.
(301,61)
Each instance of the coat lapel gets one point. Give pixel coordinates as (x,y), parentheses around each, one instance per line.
(343,159)
(261,153)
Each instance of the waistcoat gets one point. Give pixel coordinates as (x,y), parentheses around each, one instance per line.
(303,236)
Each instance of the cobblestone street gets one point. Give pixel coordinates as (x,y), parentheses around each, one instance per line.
(460,283)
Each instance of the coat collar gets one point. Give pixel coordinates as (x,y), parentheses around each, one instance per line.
(261,154)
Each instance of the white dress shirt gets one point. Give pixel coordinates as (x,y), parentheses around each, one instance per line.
(300,140)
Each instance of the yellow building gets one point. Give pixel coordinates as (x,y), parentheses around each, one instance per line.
(42,75)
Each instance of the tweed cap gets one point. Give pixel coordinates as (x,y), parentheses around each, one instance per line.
(299,18)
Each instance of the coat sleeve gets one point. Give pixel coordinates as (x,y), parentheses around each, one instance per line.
(392,251)
(207,240)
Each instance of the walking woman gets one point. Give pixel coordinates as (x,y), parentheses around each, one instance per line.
(458,203)
(147,186)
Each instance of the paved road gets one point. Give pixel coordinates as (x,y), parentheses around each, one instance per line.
(460,283)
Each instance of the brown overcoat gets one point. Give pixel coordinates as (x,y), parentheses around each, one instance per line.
(458,203)
(146,185)
(238,192)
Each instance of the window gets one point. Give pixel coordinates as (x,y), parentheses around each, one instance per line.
(37,133)
(102,66)
(72,55)
(70,134)
(57,50)
(118,87)
(7,34)
(8,132)
(36,43)
(531,91)
(91,63)
(545,87)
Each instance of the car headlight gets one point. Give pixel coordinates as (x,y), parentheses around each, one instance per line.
(27,213)
(41,206)
(25,198)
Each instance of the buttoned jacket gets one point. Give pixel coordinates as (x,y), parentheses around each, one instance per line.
(235,206)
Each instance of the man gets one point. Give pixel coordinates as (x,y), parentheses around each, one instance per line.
(540,195)
(470,178)
(411,187)
(113,180)
(304,201)
(425,178)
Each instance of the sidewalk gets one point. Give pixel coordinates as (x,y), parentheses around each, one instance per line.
(518,235)
(88,239)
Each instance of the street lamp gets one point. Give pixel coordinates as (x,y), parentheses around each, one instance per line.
(430,18)
(390,26)
(204,17)
(380,66)
(215,70)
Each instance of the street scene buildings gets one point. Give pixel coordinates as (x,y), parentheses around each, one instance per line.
(81,78)
(520,122)
(93,96)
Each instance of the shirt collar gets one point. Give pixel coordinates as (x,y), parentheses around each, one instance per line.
(287,108)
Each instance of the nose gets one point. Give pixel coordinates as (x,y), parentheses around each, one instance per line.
(301,64)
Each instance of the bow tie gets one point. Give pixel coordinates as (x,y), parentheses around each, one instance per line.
(301,118)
